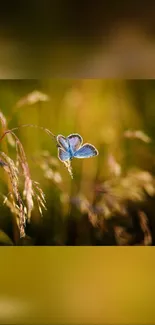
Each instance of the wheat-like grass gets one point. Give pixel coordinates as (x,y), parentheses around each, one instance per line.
(31,190)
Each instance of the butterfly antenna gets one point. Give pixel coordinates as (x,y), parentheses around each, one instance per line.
(53,136)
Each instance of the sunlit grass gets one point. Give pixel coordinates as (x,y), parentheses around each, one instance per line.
(104,189)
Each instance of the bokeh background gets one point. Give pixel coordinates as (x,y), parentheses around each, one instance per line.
(77,40)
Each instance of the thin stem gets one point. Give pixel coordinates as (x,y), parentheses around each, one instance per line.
(53,136)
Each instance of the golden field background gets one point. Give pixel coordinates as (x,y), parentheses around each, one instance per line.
(77,285)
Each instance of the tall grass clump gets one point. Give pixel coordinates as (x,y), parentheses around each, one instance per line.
(20,202)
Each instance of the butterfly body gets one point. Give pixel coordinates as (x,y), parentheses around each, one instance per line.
(71,147)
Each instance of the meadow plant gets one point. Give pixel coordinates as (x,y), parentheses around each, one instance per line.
(22,203)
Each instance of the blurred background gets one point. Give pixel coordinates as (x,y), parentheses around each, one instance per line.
(73,39)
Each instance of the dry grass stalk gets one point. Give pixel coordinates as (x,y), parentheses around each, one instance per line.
(69,167)
(31,189)
(32,98)
(145,228)
(12,171)
(137,134)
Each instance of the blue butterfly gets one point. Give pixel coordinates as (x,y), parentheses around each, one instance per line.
(71,147)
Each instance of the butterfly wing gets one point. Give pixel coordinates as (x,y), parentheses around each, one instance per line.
(63,142)
(75,141)
(86,151)
(63,155)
